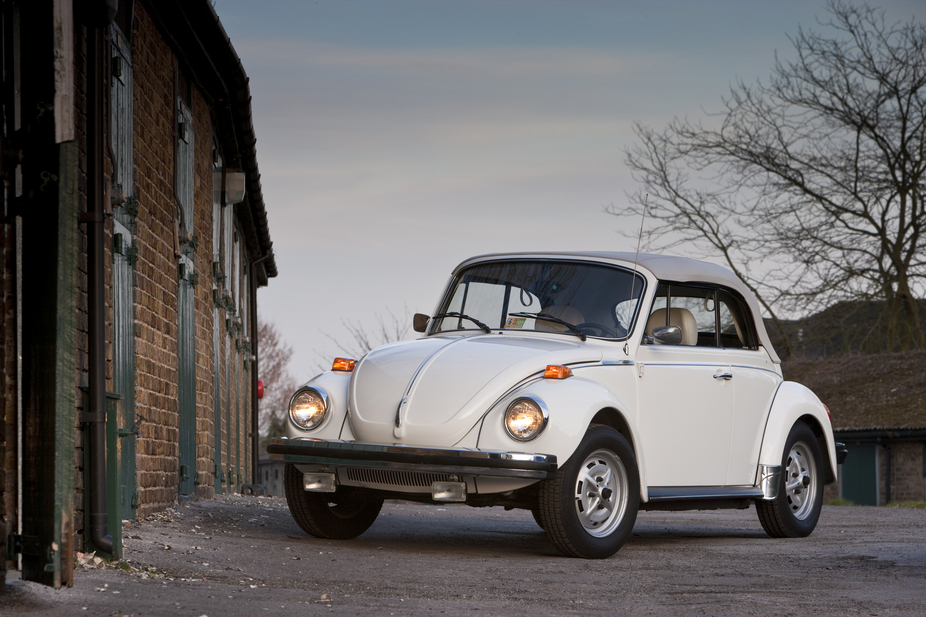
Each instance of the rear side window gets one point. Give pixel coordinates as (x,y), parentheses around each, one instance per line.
(735,322)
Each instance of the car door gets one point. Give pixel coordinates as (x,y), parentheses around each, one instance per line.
(685,410)
(755,381)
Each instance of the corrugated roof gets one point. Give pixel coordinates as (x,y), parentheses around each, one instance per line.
(867,392)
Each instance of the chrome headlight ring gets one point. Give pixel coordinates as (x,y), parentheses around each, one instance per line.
(308,408)
(525,418)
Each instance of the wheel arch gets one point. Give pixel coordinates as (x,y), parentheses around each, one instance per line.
(574,405)
(610,416)
(796,403)
(614,418)
(820,434)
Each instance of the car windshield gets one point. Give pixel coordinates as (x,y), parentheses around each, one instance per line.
(574,298)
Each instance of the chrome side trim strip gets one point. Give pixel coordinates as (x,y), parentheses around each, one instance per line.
(755,368)
(717,364)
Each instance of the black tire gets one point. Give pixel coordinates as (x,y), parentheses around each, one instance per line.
(572,507)
(341,515)
(794,513)
(535,512)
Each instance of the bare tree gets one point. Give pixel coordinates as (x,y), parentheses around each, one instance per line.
(811,185)
(387,330)
(273,367)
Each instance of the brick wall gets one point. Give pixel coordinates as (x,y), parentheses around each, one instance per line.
(82,360)
(157,289)
(156,284)
(202,296)
(906,469)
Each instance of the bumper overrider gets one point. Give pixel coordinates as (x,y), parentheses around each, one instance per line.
(446,468)
(842,452)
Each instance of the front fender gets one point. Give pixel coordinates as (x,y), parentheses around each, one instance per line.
(795,402)
(335,384)
(572,404)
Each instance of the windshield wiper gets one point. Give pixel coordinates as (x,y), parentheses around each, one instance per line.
(548,317)
(487,329)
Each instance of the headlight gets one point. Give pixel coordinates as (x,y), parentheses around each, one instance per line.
(308,407)
(526,418)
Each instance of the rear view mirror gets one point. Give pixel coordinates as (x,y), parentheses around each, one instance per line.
(667,335)
(420,322)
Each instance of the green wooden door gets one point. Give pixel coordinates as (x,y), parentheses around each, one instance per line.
(859,474)
(122,485)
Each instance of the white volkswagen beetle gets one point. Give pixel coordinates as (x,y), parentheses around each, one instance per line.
(580,386)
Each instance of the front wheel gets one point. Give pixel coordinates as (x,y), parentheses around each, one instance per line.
(341,515)
(590,506)
(794,513)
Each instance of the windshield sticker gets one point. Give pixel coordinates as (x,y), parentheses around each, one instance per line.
(515,322)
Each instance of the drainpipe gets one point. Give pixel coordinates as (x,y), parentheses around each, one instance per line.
(252,316)
(99,17)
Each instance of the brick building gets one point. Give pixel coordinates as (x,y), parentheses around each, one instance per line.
(134,239)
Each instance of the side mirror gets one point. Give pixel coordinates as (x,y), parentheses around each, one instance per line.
(420,322)
(667,335)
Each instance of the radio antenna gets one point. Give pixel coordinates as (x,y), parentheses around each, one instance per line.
(636,257)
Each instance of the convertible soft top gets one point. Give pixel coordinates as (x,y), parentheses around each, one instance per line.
(664,268)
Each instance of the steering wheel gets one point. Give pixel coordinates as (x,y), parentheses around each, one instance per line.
(605,331)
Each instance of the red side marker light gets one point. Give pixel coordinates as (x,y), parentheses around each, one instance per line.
(556,371)
(828,414)
(260,388)
(343,364)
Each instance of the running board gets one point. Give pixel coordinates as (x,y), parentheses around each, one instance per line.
(670,493)
(701,497)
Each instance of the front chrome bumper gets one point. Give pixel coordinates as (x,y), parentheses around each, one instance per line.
(308,451)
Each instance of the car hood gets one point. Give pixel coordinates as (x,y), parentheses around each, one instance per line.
(445,384)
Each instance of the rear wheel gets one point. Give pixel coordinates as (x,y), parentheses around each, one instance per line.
(341,515)
(590,506)
(794,513)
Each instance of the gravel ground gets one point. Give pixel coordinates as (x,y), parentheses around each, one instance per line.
(245,556)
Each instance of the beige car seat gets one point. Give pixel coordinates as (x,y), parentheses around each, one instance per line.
(677,317)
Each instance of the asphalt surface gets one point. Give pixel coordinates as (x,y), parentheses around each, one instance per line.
(245,556)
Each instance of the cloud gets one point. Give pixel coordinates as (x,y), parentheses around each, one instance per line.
(463,62)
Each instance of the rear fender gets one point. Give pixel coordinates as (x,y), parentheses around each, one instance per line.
(794,402)
(572,404)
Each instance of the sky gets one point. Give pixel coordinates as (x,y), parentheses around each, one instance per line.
(396,138)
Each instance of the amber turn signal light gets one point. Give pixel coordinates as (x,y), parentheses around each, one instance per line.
(343,364)
(556,371)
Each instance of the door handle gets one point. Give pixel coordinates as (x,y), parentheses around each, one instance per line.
(724,376)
